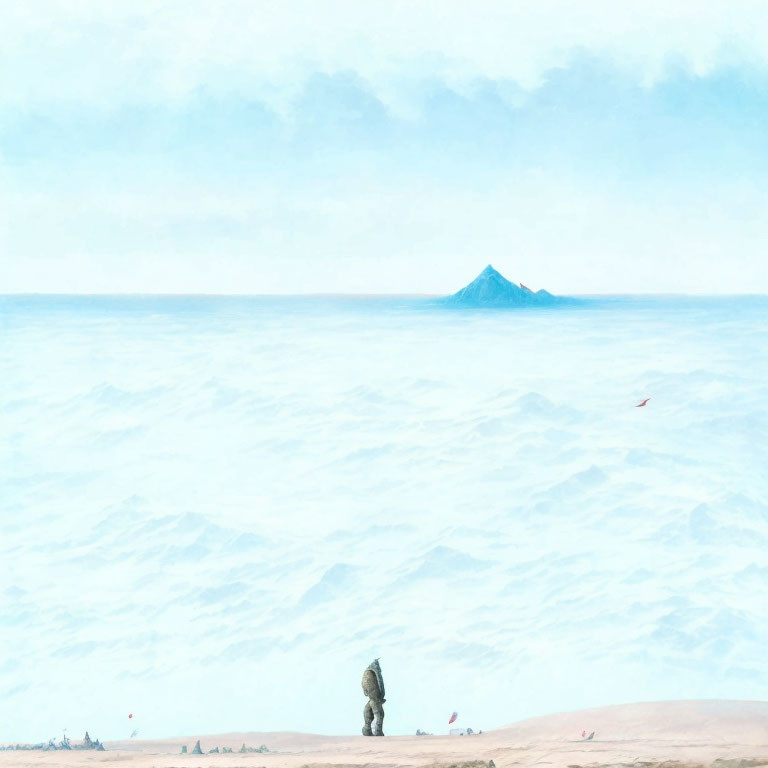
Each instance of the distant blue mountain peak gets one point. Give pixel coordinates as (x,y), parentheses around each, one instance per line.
(491,289)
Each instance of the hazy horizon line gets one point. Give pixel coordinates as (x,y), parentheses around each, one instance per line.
(331,294)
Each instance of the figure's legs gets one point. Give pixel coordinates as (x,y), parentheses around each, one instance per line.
(368,718)
(378,710)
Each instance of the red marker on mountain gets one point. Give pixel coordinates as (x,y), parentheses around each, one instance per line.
(640,405)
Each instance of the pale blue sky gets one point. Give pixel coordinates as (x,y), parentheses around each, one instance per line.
(383,147)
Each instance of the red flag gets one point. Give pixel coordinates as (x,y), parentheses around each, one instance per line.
(453,718)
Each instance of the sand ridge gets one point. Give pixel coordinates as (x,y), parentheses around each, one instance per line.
(684,734)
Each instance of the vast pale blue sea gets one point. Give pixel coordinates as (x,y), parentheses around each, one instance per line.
(215,512)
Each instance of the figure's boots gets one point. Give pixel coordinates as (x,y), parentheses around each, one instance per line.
(367,730)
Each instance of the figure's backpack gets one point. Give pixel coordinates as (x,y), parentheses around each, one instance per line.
(376,669)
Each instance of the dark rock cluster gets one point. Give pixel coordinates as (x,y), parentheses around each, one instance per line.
(65,743)
(14,747)
(198,750)
(262,748)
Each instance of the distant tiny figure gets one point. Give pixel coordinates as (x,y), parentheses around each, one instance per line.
(583,734)
(373,688)
(640,405)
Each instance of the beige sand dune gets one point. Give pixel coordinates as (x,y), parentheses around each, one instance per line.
(729,734)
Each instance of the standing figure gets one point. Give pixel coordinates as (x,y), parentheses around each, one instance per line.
(373,688)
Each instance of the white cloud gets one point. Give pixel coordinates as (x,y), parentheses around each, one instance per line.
(134,216)
(119,51)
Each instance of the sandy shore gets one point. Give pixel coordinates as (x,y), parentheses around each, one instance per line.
(726,733)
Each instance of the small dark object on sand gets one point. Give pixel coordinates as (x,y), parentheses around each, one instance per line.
(183,749)
(197,750)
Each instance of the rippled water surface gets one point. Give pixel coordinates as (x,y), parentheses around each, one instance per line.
(217,511)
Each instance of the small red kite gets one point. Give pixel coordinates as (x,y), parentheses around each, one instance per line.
(453,718)
(640,405)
